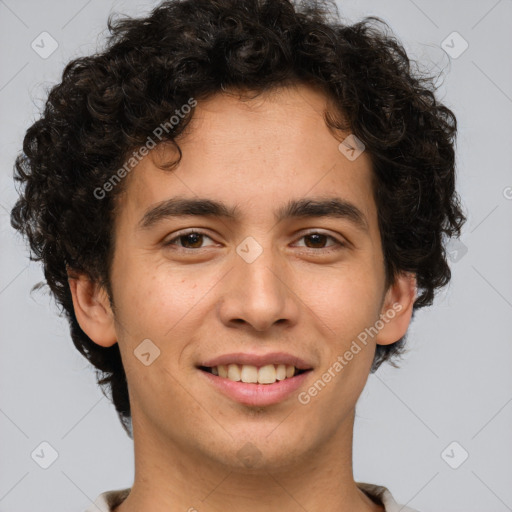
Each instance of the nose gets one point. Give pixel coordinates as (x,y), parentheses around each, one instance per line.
(259,294)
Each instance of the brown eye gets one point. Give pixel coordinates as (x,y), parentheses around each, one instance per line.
(194,239)
(317,240)
(190,240)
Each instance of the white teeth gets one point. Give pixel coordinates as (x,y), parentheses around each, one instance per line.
(281,372)
(248,373)
(233,372)
(267,374)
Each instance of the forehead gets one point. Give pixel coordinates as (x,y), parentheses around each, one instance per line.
(252,152)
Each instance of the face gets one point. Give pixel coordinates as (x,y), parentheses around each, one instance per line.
(282,265)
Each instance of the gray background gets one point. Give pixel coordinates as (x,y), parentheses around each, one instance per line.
(454,385)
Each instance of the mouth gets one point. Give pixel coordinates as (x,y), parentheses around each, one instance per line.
(256,380)
(251,374)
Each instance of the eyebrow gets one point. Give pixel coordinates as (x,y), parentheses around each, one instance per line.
(333,207)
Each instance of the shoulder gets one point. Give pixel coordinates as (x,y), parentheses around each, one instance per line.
(108,500)
(384,496)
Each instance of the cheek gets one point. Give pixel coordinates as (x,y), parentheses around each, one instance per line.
(164,304)
(346,301)
(349,308)
(152,297)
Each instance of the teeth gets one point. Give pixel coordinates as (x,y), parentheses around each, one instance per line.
(281,372)
(247,373)
(234,372)
(267,374)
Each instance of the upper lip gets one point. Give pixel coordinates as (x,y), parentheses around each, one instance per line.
(258,360)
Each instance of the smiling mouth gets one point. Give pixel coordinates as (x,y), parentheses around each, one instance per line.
(249,374)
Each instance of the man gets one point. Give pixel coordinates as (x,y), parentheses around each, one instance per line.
(240,205)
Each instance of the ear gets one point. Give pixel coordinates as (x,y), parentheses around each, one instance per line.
(92,309)
(397,308)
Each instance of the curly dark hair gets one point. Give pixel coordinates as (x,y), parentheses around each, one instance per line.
(108,104)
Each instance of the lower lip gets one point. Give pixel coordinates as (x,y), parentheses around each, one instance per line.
(257,394)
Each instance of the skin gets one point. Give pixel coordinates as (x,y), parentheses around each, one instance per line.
(307,297)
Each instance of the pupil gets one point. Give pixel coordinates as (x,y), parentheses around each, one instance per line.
(194,238)
(316,237)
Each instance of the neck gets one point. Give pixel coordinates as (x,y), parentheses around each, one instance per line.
(171,478)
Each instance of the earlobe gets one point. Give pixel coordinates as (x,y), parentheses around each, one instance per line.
(92,310)
(397,309)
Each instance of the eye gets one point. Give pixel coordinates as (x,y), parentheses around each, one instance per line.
(317,240)
(194,239)
(188,240)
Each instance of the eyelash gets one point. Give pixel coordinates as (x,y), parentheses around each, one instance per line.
(199,232)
